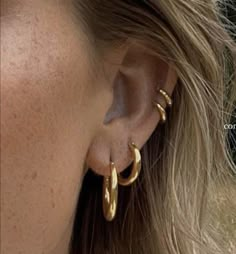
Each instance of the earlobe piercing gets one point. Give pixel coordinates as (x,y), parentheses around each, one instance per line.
(110,193)
(110,184)
(135,168)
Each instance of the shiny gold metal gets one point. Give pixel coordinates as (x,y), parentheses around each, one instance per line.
(135,168)
(161,111)
(110,193)
(166,96)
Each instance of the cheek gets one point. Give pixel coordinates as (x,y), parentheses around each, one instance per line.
(43,115)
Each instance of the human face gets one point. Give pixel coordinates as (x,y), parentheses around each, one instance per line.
(46,123)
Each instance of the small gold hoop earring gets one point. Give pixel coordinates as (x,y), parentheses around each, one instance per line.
(110,193)
(161,111)
(135,168)
(166,96)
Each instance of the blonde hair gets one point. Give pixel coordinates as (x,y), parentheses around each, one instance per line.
(185,160)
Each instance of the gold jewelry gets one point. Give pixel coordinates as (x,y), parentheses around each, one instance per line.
(161,111)
(166,96)
(160,108)
(135,168)
(110,184)
(110,193)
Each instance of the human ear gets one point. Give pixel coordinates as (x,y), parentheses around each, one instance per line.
(133,115)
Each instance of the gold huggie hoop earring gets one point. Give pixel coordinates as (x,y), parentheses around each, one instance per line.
(110,193)
(161,108)
(135,169)
(161,111)
(166,96)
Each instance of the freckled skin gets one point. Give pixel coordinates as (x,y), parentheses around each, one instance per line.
(46,124)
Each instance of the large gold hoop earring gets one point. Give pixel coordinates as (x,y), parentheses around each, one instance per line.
(110,193)
(135,168)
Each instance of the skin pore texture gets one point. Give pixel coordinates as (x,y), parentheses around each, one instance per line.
(53,109)
(44,111)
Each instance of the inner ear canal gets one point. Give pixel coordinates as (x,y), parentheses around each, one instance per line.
(122,105)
